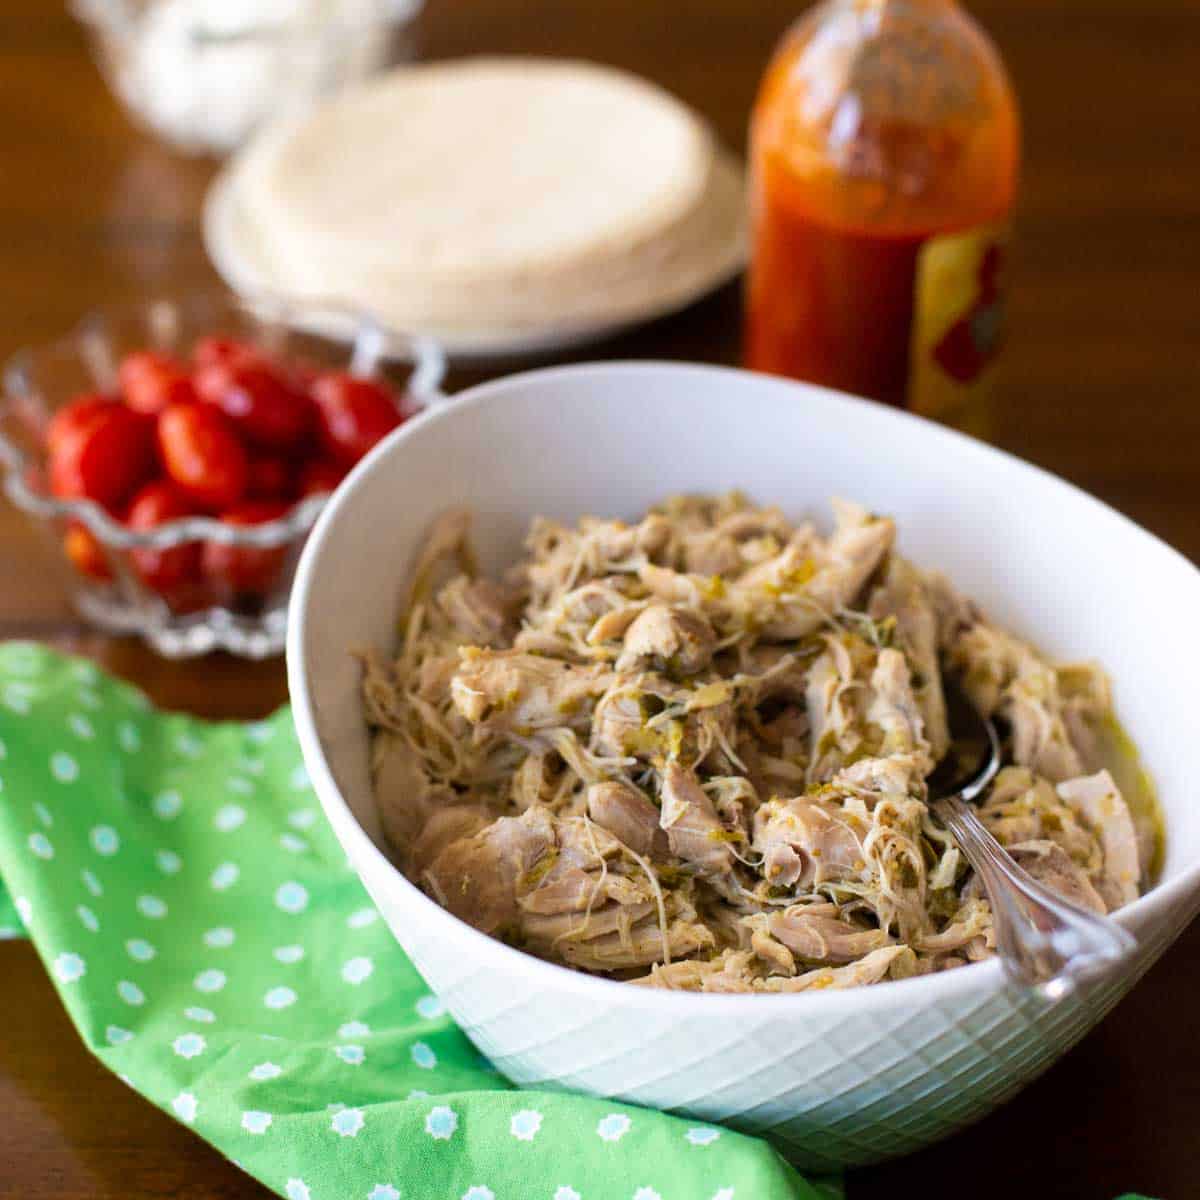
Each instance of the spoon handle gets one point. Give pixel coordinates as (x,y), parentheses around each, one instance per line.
(1044,941)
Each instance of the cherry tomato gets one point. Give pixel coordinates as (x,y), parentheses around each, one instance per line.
(354,414)
(190,596)
(86,553)
(218,349)
(320,475)
(246,569)
(163,570)
(202,454)
(150,381)
(304,373)
(270,478)
(103,459)
(73,416)
(259,400)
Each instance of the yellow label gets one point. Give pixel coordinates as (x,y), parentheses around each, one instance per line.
(958,325)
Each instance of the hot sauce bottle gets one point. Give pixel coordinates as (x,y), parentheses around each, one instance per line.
(884,153)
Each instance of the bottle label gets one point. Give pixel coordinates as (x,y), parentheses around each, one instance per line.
(958,324)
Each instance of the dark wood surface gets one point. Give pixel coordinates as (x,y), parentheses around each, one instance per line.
(1102,387)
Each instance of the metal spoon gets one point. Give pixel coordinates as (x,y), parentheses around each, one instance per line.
(1044,941)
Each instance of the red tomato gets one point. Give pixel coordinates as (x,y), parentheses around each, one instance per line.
(354,414)
(320,475)
(103,459)
(191,596)
(73,416)
(270,478)
(303,373)
(86,553)
(218,349)
(163,570)
(211,379)
(202,454)
(246,569)
(150,381)
(259,400)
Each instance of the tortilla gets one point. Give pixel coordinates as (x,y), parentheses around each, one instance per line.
(490,193)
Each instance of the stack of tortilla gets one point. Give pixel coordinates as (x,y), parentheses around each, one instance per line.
(488,199)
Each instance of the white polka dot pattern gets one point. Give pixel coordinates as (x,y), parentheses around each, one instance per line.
(197,916)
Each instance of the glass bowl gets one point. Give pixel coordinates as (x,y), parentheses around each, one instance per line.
(203,74)
(42,379)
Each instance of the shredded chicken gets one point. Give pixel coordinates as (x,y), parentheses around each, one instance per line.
(692,752)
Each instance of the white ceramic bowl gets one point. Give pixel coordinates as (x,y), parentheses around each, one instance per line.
(835,1077)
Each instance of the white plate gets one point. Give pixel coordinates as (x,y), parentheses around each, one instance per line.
(248,275)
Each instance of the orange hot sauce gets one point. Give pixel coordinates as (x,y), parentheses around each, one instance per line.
(884,156)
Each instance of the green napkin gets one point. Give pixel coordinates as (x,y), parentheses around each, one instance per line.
(10,919)
(214,949)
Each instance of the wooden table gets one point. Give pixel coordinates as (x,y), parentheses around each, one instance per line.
(1102,388)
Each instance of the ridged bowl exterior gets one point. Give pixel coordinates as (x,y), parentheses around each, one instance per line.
(843,1085)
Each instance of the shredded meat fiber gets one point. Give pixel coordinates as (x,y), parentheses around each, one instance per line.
(692,752)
